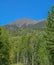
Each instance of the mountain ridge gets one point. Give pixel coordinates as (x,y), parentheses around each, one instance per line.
(26,23)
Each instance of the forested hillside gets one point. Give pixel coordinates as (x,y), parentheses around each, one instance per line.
(31,45)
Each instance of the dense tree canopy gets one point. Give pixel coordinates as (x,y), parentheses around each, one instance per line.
(4,47)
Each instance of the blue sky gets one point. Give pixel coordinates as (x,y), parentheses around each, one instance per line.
(12,10)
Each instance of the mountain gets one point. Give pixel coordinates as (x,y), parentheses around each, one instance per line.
(26,23)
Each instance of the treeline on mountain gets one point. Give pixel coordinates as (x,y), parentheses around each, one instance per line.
(29,48)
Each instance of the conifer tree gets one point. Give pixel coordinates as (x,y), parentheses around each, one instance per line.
(50,34)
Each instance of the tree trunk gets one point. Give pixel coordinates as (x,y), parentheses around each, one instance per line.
(26,60)
(32,58)
(17,58)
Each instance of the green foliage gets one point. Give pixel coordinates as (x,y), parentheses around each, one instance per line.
(50,34)
(43,53)
(4,47)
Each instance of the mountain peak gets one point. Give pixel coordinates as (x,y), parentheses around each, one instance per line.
(22,21)
(26,22)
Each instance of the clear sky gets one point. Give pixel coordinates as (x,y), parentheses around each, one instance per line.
(12,10)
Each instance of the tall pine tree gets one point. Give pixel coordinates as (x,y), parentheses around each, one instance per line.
(50,34)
